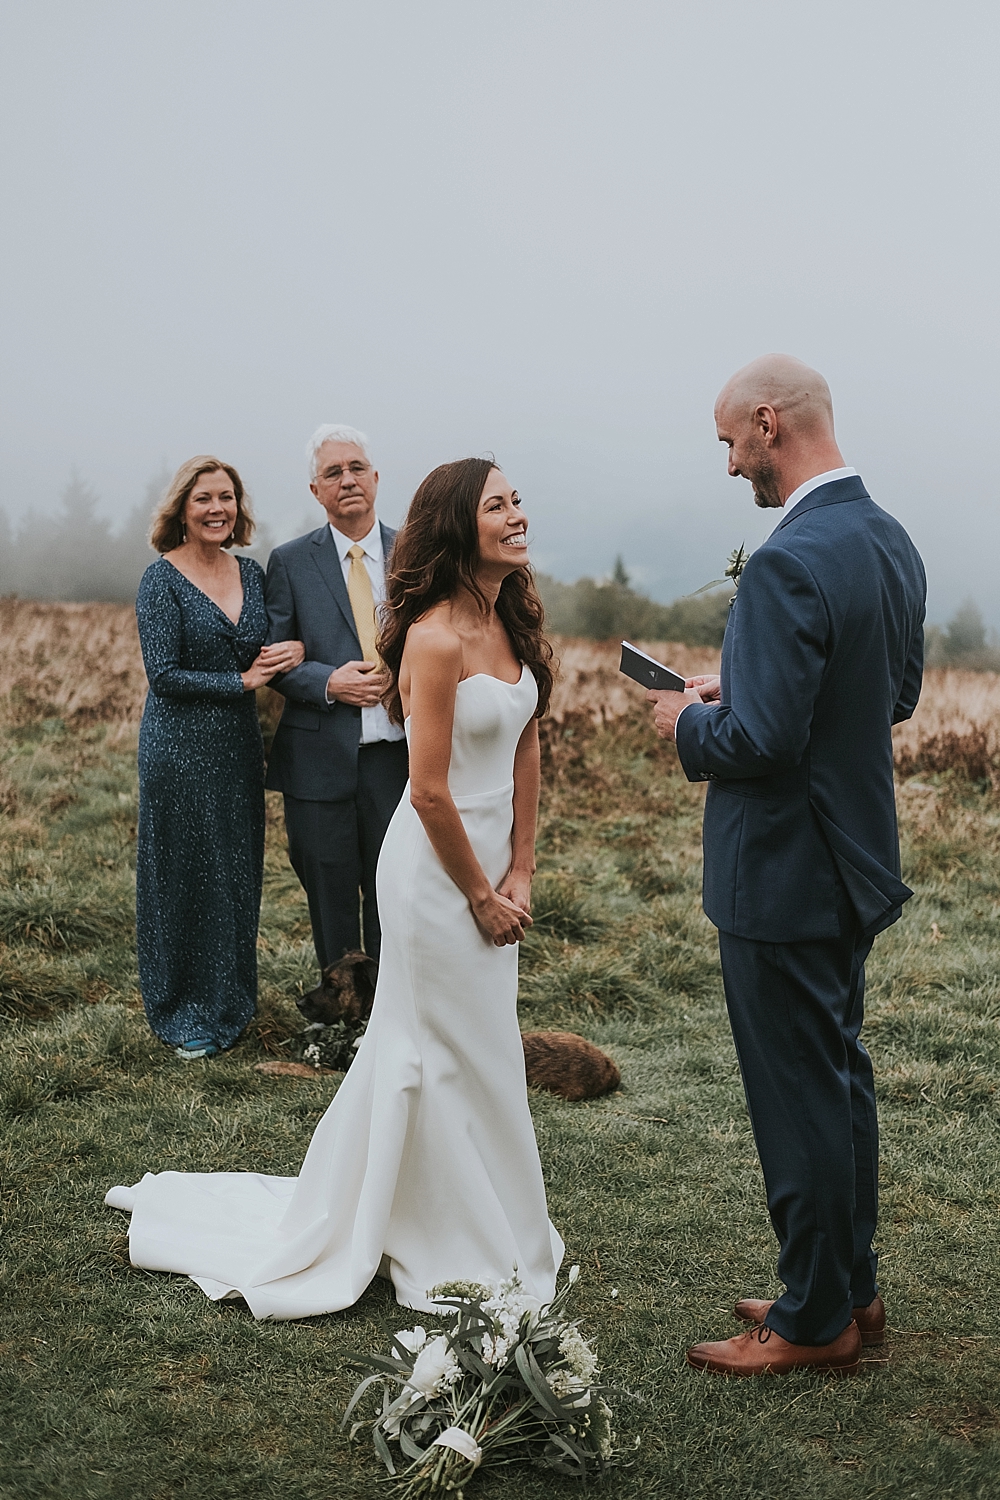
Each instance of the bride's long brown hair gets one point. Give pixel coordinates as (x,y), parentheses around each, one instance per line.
(436,553)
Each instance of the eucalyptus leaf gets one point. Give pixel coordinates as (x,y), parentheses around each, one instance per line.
(370,1380)
(382,1449)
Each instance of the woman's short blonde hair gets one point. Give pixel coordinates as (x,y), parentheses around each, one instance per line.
(167,530)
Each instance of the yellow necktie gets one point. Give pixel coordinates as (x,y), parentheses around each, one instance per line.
(359,591)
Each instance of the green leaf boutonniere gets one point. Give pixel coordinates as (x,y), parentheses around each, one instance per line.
(738,559)
(736,562)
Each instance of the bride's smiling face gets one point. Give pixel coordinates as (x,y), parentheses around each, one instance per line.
(503,526)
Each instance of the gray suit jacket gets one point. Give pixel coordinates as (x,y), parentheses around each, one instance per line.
(315,750)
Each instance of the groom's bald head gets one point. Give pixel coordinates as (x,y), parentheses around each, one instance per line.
(776,416)
(797,393)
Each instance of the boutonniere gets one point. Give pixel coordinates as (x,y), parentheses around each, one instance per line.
(738,559)
(736,562)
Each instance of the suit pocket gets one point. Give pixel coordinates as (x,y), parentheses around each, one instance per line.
(300,716)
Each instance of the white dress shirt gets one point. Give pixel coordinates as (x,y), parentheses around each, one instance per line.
(793,500)
(375,722)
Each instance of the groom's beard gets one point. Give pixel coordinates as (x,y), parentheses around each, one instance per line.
(766,486)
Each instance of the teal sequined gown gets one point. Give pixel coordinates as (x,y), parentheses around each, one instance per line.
(200,855)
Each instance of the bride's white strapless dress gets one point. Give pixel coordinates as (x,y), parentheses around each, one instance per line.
(425,1164)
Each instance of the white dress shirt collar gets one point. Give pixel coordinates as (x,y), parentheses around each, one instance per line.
(372,543)
(814,484)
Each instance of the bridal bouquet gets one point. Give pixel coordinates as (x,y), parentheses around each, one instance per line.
(509,1380)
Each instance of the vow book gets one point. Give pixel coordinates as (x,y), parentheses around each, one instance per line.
(649,672)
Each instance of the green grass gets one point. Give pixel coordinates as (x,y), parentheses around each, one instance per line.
(120,1383)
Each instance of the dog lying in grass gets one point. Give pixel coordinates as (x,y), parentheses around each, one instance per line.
(568,1065)
(345,992)
(339,1007)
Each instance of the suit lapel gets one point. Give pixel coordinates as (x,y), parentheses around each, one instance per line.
(388,537)
(328,562)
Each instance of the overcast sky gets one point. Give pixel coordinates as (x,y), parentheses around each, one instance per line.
(546,228)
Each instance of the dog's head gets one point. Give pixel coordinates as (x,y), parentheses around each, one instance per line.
(345,992)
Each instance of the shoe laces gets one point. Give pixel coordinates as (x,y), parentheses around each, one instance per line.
(761,1334)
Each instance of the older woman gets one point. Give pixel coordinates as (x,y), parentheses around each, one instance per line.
(200,856)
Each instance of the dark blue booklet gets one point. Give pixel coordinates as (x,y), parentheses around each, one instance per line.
(649,672)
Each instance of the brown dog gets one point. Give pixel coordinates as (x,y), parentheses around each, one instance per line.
(560,1061)
(567,1065)
(345,993)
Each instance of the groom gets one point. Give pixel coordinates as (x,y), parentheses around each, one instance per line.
(823,653)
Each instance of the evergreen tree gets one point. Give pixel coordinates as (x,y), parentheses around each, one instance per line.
(965,633)
(619,576)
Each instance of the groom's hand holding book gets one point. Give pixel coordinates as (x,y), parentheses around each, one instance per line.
(670,692)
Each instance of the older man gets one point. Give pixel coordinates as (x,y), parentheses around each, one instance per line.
(340,763)
(823,654)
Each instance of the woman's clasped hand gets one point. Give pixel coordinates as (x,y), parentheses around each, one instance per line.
(502,920)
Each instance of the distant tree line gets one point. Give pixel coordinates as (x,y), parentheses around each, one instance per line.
(74,553)
(963,642)
(613,608)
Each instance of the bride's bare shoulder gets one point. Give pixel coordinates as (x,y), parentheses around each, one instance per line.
(433,642)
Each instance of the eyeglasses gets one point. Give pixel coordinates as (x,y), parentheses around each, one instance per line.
(335,473)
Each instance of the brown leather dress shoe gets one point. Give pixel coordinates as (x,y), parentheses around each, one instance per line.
(870,1319)
(761,1351)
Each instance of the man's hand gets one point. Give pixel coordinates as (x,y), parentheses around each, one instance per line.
(708,688)
(282,656)
(357,683)
(668,707)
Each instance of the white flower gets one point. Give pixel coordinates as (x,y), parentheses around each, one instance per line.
(578,1354)
(605,1436)
(311,1054)
(412,1339)
(495,1350)
(436,1368)
(563,1383)
(509,1304)
(614,1291)
(474,1290)
(574,1272)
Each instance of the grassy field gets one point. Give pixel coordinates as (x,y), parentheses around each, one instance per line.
(118,1383)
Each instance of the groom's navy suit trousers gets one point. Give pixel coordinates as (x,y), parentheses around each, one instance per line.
(823,653)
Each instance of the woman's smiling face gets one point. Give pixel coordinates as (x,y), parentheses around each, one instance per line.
(209,513)
(503,526)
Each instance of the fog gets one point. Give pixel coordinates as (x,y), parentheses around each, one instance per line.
(547,229)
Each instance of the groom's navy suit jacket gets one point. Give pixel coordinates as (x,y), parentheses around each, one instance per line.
(823,653)
(315,752)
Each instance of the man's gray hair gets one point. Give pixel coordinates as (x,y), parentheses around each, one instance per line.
(334,432)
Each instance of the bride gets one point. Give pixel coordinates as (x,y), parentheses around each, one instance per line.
(425,1165)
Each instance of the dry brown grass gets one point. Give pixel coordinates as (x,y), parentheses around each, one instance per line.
(589,681)
(82,663)
(956,726)
(77,662)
